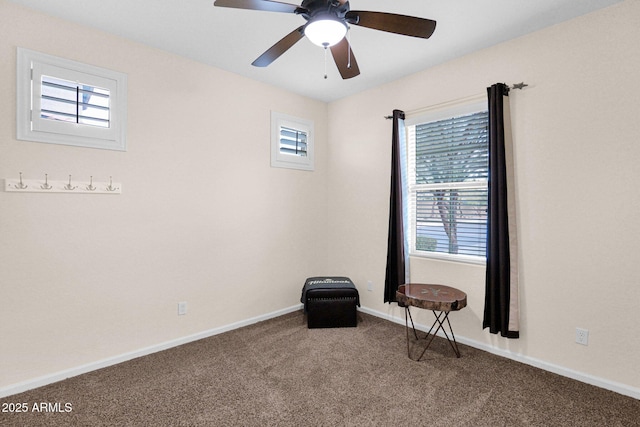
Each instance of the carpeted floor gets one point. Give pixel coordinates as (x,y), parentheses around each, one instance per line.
(279,373)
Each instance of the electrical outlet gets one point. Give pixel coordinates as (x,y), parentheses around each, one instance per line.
(182,308)
(582,336)
(369,285)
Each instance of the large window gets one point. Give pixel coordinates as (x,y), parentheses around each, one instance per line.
(66,102)
(447,180)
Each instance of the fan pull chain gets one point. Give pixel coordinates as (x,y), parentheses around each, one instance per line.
(325,62)
(349,45)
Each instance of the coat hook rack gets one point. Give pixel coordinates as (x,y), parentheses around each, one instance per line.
(90,187)
(68,186)
(46,185)
(111,187)
(21,185)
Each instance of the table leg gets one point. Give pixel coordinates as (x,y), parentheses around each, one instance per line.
(406,327)
(440,324)
(406,324)
(411,318)
(454,344)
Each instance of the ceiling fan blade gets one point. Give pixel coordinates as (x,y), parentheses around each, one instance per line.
(267,5)
(393,23)
(344,59)
(279,48)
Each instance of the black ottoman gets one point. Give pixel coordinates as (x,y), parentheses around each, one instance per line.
(330,302)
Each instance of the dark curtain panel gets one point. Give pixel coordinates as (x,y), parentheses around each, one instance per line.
(395,274)
(498,308)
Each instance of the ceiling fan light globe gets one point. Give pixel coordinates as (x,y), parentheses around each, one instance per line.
(325,32)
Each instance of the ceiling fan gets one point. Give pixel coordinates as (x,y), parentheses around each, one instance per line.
(327,25)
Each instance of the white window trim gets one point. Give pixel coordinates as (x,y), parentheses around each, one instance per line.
(30,127)
(440,112)
(282,160)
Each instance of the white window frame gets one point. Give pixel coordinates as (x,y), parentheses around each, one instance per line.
(428,115)
(31,66)
(291,161)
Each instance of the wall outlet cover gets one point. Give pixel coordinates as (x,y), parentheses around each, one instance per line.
(582,336)
(182,308)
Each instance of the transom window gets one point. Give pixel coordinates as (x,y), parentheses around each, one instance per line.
(291,142)
(448,173)
(66,102)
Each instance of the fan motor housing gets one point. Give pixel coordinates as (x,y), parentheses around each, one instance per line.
(331,8)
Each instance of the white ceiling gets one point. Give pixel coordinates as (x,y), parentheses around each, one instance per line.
(231,39)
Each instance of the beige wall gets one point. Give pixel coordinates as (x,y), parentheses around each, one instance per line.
(202,218)
(576,152)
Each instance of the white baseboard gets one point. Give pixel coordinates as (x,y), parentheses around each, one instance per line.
(68,373)
(550,367)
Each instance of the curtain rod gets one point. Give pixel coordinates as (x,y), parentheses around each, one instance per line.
(478,96)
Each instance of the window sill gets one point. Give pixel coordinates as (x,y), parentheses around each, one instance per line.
(463,259)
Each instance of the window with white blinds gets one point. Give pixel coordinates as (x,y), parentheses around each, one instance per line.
(66,102)
(448,172)
(74,102)
(291,142)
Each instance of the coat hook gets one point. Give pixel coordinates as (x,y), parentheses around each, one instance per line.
(46,185)
(111,187)
(90,187)
(69,186)
(21,186)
